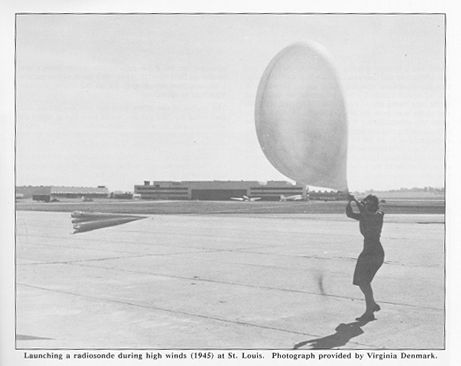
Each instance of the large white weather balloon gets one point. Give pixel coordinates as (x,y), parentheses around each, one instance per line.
(301,118)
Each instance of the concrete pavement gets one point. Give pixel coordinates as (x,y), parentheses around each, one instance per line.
(225,282)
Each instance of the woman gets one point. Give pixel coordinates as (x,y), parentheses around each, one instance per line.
(372,256)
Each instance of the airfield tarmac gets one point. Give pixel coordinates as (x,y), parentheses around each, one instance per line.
(225,282)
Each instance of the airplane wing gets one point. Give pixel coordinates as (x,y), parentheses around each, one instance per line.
(245,198)
(296,197)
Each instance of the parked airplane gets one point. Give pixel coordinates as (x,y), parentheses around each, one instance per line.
(245,198)
(297,197)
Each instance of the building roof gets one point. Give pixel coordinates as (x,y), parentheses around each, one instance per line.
(79,190)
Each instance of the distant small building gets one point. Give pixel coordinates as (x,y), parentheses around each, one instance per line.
(121,195)
(28,192)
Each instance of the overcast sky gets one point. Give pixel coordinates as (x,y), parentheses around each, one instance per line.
(118,99)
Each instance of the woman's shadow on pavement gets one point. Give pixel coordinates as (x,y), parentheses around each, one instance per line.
(344,333)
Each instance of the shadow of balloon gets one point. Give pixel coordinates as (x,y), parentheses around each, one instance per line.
(344,333)
(87,221)
(21,337)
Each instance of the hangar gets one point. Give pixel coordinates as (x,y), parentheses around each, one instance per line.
(47,193)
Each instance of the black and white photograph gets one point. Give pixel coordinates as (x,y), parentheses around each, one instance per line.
(229,186)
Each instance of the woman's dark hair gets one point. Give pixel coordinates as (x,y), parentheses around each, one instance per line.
(372,198)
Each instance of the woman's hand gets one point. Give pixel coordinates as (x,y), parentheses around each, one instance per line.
(351,198)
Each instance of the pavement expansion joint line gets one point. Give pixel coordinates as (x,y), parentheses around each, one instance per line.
(106,259)
(242,323)
(131,254)
(88,260)
(200,234)
(130,242)
(254,286)
(84,248)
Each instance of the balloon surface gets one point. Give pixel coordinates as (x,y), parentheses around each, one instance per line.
(301,119)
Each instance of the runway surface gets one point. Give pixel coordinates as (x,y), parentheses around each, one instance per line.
(225,282)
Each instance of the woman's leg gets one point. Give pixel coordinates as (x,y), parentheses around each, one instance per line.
(368,292)
(371,305)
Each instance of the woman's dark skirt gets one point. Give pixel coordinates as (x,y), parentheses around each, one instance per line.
(369,261)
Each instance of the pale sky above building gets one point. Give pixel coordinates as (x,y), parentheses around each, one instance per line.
(118,99)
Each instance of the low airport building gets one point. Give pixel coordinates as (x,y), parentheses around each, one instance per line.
(218,190)
(48,193)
